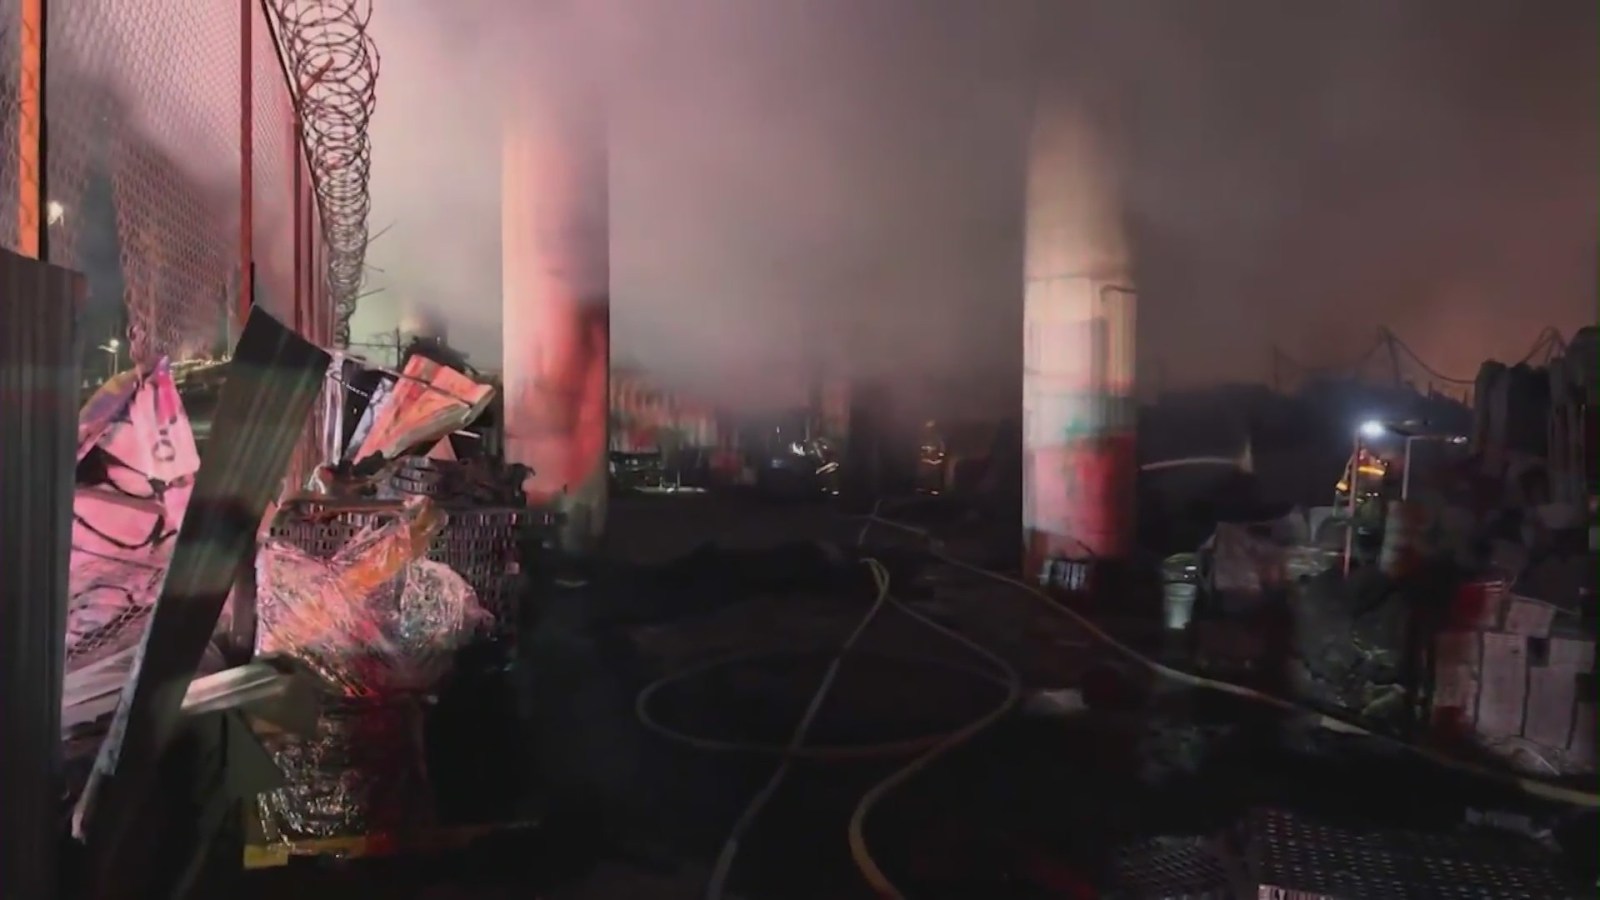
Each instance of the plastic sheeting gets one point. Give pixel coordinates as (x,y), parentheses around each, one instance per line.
(380,625)
(360,772)
(376,618)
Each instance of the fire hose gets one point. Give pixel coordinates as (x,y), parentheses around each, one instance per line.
(1531,786)
(932,748)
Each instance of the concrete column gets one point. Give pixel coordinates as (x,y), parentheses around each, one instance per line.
(1078,459)
(555,246)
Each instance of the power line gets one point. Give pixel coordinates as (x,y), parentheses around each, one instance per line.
(1548,344)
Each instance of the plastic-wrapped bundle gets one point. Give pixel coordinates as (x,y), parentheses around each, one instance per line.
(374,619)
(361,772)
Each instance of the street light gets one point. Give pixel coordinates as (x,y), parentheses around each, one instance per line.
(1371,430)
(1409,431)
(112,347)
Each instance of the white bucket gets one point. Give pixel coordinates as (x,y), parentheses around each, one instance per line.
(1177,603)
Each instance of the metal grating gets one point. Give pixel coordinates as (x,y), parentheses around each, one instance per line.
(481,544)
(1310,859)
(1165,868)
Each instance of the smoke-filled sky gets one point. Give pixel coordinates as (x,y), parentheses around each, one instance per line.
(1294,173)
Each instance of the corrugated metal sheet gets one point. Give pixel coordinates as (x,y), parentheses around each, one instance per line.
(39,368)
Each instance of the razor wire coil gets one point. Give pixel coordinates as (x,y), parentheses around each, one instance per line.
(333,63)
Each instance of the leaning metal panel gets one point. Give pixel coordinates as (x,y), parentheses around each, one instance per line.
(38,434)
(1293,856)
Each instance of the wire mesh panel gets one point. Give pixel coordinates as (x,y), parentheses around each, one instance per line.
(144,160)
(273,161)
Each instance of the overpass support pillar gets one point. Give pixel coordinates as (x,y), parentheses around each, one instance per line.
(555,281)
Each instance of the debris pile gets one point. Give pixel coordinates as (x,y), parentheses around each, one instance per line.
(405,552)
(380,626)
(1514,660)
(1476,616)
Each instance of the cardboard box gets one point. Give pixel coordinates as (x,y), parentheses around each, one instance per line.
(1503,689)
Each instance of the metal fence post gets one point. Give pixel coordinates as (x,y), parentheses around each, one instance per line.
(33,205)
(301,295)
(246,158)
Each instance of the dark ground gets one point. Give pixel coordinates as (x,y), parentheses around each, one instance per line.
(1021,812)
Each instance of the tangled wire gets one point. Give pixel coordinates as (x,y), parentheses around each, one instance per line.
(334,64)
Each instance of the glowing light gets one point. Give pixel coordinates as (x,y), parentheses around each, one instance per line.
(1372,428)
(54,212)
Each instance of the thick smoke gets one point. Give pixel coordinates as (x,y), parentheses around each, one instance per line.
(843,179)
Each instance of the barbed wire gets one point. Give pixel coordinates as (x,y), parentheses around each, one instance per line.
(333,63)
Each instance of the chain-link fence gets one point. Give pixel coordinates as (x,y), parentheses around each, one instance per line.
(275,155)
(165,121)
